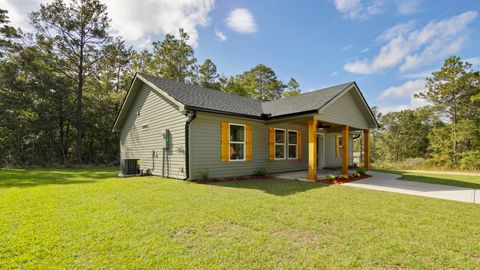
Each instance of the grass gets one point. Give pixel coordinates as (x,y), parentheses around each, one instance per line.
(468,181)
(90,219)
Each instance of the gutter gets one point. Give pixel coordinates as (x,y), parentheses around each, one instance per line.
(187,145)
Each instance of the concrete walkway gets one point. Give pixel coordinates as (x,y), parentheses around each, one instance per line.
(389,182)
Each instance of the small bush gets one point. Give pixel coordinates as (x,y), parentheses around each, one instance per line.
(356,175)
(331,177)
(261,172)
(470,160)
(205,175)
(360,170)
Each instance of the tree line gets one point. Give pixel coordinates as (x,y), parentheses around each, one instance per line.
(445,133)
(62,84)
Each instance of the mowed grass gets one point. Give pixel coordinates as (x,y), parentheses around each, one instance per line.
(444,178)
(91,219)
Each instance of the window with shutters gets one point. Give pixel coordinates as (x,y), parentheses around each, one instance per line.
(280,141)
(237,142)
(292,144)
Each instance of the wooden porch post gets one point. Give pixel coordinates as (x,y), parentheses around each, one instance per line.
(312,149)
(345,149)
(366,157)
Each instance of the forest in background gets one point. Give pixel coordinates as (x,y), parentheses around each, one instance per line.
(62,84)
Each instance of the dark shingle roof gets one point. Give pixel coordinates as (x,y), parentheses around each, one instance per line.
(310,101)
(203,98)
(208,99)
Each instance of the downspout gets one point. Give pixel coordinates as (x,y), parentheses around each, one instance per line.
(191,117)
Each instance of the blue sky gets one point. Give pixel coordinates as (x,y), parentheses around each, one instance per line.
(386,46)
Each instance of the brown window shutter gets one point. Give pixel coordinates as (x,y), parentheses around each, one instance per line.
(248,142)
(224,141)
(271,144)
(299,144)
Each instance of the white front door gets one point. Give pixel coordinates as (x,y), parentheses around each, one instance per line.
(320,151)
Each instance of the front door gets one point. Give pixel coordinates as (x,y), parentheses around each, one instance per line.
(320,151)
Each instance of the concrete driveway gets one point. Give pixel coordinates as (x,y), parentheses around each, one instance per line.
(389,182)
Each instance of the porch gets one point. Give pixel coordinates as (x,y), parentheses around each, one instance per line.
(342,135)
(303,175)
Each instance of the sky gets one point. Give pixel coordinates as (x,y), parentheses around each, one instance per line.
(387,46)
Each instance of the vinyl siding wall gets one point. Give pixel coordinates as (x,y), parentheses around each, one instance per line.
(330,158)
(345,111)
(146,145)
(205,148)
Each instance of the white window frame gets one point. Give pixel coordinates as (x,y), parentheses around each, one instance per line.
(237,142)
(146,125)
(275,144)
(340,145)
(289,144)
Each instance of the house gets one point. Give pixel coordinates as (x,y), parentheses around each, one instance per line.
(179,130)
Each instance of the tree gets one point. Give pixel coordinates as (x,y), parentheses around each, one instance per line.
(76,33)
(261,83)
(8,35)
(446,91)
(174,57)
(293,88)
(207,75)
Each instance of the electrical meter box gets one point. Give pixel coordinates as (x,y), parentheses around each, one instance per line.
(166,139)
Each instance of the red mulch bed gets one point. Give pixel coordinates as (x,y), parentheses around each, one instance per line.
(231,179)
(342,181)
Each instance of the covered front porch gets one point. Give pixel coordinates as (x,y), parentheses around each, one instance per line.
(320,149)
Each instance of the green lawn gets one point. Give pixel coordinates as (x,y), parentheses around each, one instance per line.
(90,219)
(468,181)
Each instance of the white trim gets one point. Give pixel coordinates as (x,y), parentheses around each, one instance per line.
(238,142)
(288,144)
(275,144)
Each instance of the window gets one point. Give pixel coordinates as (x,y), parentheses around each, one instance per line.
(340,141)
(292,144)
(237,142)
(145,127)
(280,141)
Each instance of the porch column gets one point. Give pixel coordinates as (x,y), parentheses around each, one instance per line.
(312,149)
(366,157)
(344,149)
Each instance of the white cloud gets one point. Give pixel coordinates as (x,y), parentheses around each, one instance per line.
(241,20)
(137,20)
(475,61)
(406,7)
(333,74)
(421,74)
(414,103)
(220,36)
(357,10)
(347,47)
(409,48)
(405,90)
(18,11)
(365,50)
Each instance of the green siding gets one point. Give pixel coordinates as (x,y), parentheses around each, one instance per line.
(206,148)
(330,158)
(345,111)
(159,114)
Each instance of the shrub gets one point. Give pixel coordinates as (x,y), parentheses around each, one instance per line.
(356,175)
(360,170)
(331,177)
(205,175)
(470,160)
(261,172)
